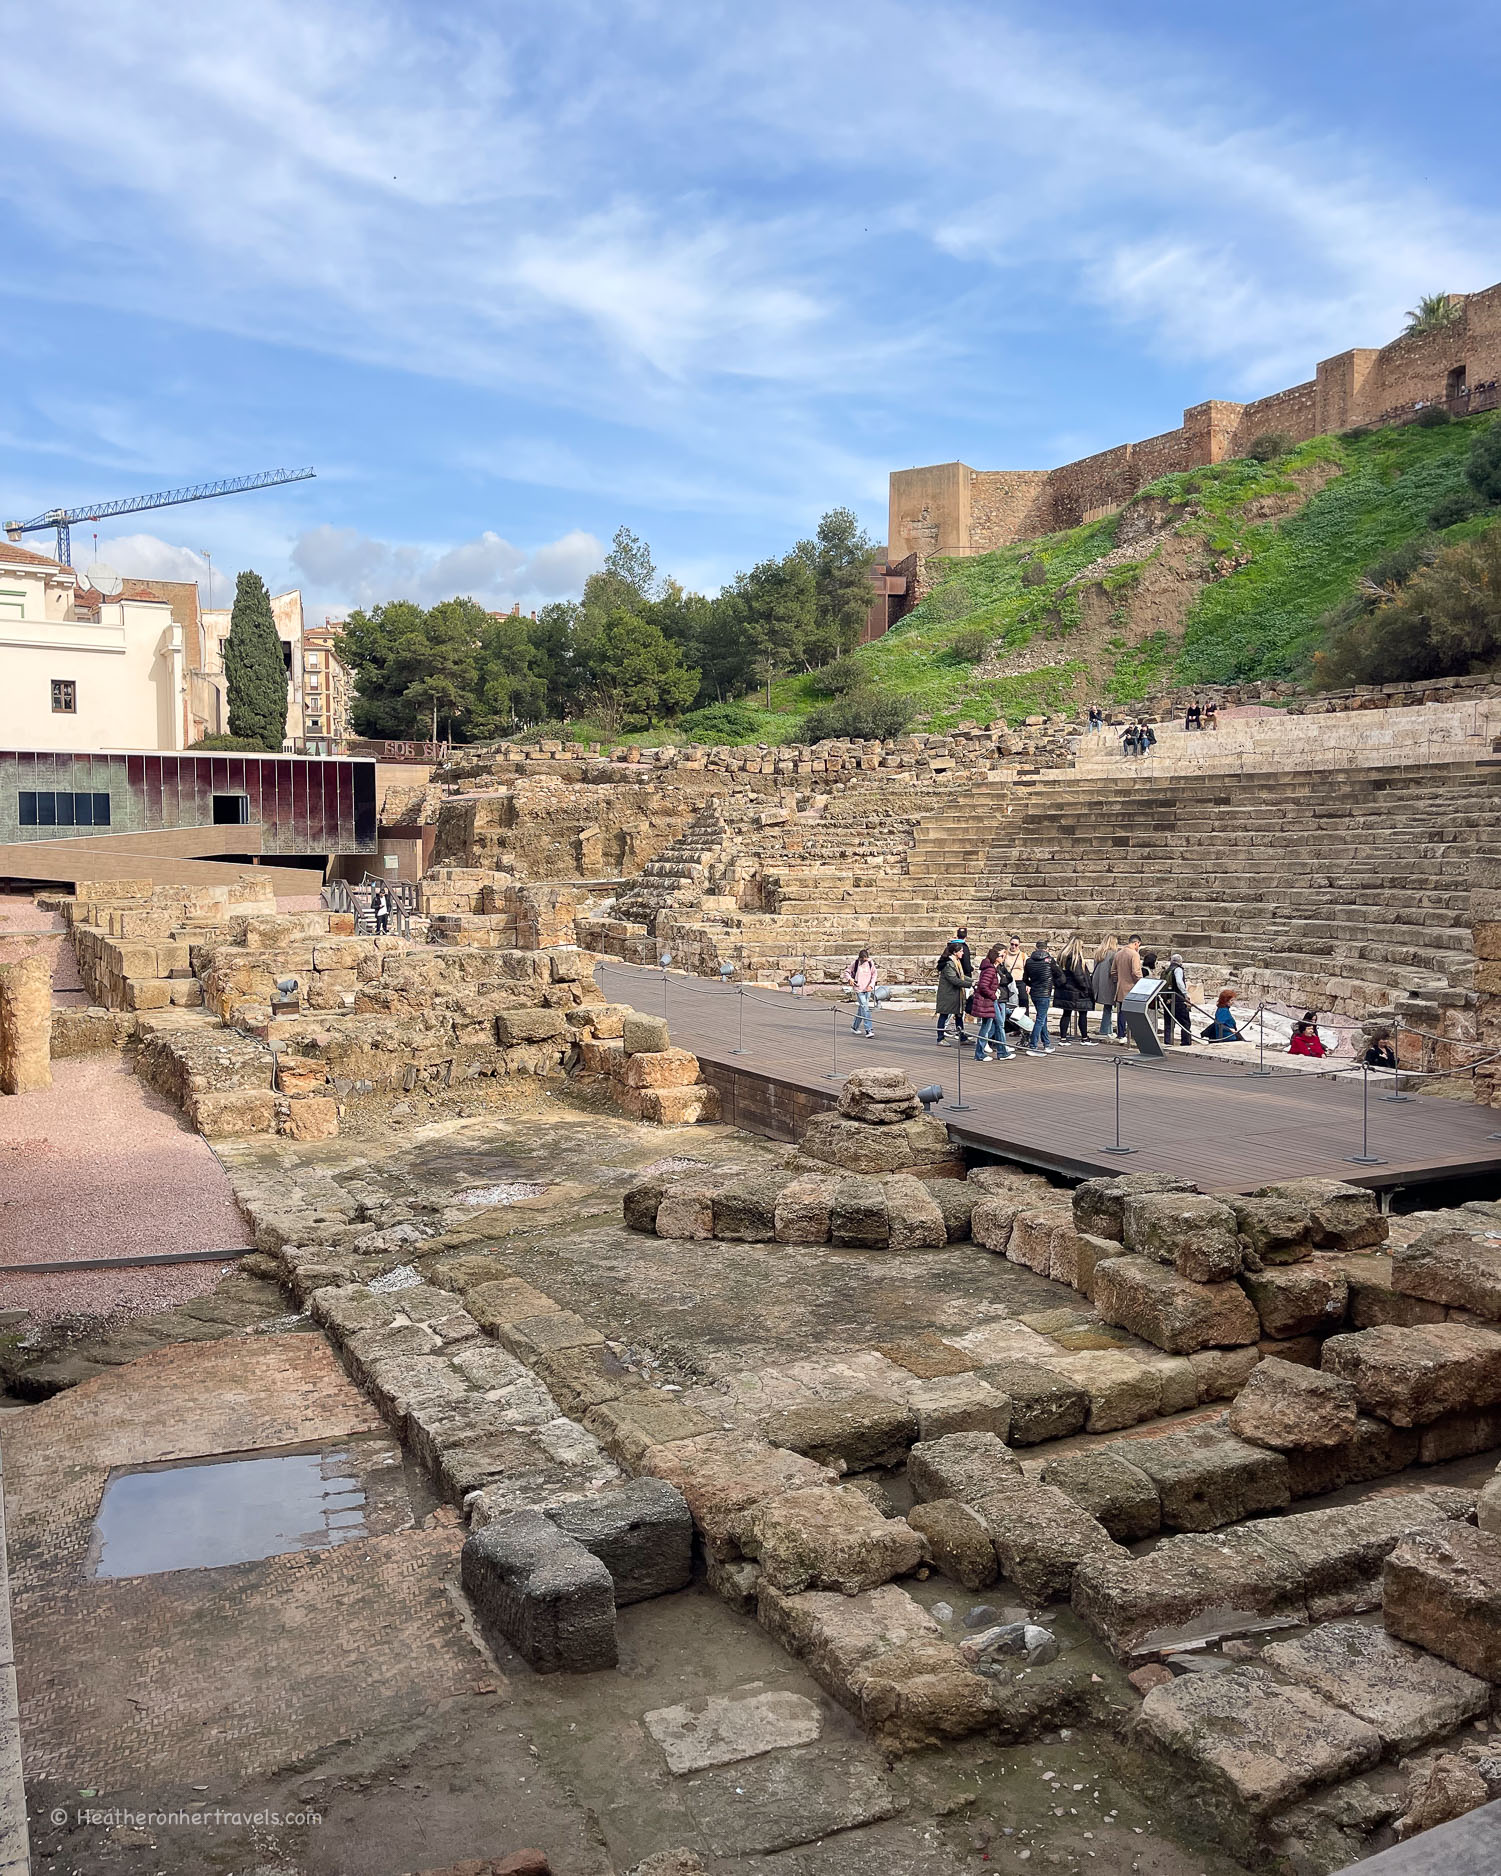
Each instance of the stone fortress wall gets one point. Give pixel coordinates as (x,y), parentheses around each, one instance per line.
(951,509)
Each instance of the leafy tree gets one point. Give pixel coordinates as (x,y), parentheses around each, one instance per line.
(1483,471)
(254,668)
(382,649)
(553,634)
(511,687)
(842,556)
(443,671)
(1442,620)
(1435,311)
(712,634)
(628,578)
(779,600)
(633,672)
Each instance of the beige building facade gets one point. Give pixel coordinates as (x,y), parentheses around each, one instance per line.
(81,672)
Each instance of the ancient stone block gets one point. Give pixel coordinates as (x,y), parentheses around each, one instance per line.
(1339,1551)
(724,1476)
(661,1068)
(1451,1267)
(957,1541)
(881,1097)
(855,1146)
(1441,1589)
(1443,1787)
(1141,1295)
(639,1206)
(312,1117)
(829,1537)
(1374,1303)
(1344,1217)
(644,1035)
(529,1336)
(235,1111)
(1041,1536)
(1247,1746)
(542,1592)
(992,1218)
(1408,1696)
(959,1403)
(1412,1376)
(1121,1390)
(928,1356)
(746,1210)
(914,1220)
(1195,1236)
(1082,1255)
(857,1213)
(296,1076)
(962,1466)
(1106,1484)
(1099,1204)
(1200,1584)
(631,1424)
(860,1430)
(1457,1435)
(1222,1372)
(641,1531)
(514,1026)
(1034,1233)
(1284,1406)
(956,1199)
(1206,1478)
(1278,1231)
(1304,1351)
(1044,1406)
(803,1208)
(1297,1300)
(686,1207)
(1488,1506)
(677,1107)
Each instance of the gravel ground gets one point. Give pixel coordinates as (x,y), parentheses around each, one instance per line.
(101,1166)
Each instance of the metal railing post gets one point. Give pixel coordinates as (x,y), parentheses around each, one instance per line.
(1118,1148)
(741,1049)
(960,1106)
(833,1074)
(1365,1157)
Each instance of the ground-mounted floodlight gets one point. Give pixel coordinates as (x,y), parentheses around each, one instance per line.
(286,1001)
(798,981)
(930,1095)
(726,971)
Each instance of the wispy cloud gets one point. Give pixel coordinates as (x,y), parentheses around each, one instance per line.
(344,568)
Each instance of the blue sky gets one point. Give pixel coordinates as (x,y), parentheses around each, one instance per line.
(512,275)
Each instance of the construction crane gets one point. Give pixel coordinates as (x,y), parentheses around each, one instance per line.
(63,518)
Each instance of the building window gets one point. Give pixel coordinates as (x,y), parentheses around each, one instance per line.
(231,810)
(64,696)
(312,661)
(316,723)
(49,808)
(12,603)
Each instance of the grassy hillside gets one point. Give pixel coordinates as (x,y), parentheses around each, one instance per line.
(1268,584)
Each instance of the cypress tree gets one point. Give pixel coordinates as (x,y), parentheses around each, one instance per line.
(253,667)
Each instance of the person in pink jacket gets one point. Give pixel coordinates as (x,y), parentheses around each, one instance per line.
(862,975)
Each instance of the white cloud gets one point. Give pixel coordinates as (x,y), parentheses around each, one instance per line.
(146,557)
(343,567)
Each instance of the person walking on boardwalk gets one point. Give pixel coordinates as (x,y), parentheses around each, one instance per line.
(1102,982)
(1128,974)
(1038,974)
(1074,989)
(953,983)
(862,976)
(966,956)
(1175,1004)
(989,1005)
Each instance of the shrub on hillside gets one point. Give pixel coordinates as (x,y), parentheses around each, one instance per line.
(1034,572)
(838,676)
(1457,505)
(861,716)
(720,723)
(1432,415)
(1443,621)
(1483,471)
(970,647)
(1270,445)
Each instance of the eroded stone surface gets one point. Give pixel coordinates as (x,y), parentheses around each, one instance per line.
(1109,1488)
(1041,1536)
(1441,1589)
(1288,1407)
(829,1538)
(1207,1478)
(1408,1696)
(963,1466)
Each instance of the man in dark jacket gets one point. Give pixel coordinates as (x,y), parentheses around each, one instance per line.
(1038,976)
(966,957)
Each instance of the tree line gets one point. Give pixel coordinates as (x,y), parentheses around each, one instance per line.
(635,650)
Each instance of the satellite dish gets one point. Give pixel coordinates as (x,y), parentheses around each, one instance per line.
(103,578)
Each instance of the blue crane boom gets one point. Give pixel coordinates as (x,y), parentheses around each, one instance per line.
(62,518)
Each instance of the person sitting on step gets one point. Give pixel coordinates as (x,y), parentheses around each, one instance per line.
(1305,1037)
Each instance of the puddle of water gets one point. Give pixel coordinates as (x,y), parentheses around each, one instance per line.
(195,1517)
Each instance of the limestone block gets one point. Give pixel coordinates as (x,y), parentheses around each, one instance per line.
(956,1199)
(803,1209)
(745,1211)
(311,1117)
(639,1205)
(235,1111)
(1413,1376)
(644,1035)
(1344,1217)
(1044,1405)
(641,1531)
(542,1592)
(857,1213)
(882,1097)
(1441,1589)
(1287,1407)
(993,1218)
(914,1221)
(1041,1536)
(1408,1696)
(1076,1257)
(685,1208)
(679,1107)
(1488,1506)
(1247,1747)
(1443,1787)
(1374,1451)
(1099,1204)
(959,1403)
(1299,1299)
(1121,1389)
(957,1541)
(641,1418)
(147,993)
(326,990)
(1141,1295)
(1206,1478)
(1194,1235)
(530,1336)
(338,954)
(513,1026)
(26,1025)
(858,1431)
(1456,1435)
(962,1466)
(1222,1579)
(1222,1372)
(505,1300)
(1278,1231)
(300,1075)
(662,1068)
(724,1476)
(1374,1303)
(1455,1268)
(1106,1484)
(1339,1551)
(1034,1233)
(829,1537)
(856,1146)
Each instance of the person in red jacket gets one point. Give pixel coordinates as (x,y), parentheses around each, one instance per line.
(1306,1037)
(988,1002)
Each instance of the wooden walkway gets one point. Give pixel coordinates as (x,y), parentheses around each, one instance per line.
(1213,1122)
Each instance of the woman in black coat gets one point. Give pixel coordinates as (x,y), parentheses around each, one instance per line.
(1073,989)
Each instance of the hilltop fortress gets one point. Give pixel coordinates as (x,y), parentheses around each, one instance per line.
(953,509)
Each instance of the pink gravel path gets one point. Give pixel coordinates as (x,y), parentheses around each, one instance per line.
(99,1165)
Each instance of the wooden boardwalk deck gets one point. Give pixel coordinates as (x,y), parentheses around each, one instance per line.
(1209,1120)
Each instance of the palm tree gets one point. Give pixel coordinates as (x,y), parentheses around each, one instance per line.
(1434,311)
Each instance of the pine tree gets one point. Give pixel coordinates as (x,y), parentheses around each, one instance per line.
(254,669)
